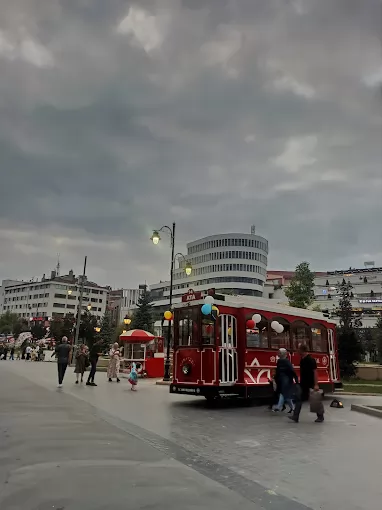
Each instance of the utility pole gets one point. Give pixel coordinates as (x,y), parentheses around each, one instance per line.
(79,310)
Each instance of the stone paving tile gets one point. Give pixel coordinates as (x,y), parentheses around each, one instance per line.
(333,465)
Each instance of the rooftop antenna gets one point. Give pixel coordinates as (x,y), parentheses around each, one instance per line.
(253,230)
(58,265)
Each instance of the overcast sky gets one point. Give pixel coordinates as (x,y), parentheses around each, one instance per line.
(120,116)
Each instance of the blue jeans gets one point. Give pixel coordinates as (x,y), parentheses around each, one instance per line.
(283,400)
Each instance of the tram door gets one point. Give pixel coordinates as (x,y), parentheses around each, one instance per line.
(228,371)
(332,357)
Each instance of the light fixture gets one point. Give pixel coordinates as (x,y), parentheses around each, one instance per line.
(127,320)
(155,237)
(70,292)
(188,268)
(97,329)
(89,307)
(124,331)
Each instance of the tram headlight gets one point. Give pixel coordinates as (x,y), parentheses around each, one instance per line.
(186,369)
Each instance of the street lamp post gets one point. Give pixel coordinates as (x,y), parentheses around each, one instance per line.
(188,270)
(155,239)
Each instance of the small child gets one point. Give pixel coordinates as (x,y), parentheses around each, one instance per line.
(133,377)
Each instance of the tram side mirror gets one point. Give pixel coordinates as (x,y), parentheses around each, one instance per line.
(337,404)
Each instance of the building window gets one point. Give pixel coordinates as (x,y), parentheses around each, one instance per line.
(58,305)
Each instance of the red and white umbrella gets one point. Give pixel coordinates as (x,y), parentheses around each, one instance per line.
(137,335)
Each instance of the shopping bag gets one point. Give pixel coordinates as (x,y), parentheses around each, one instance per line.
(316,403)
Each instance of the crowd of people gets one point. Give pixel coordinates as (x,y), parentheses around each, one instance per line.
(290,390)
(88,358)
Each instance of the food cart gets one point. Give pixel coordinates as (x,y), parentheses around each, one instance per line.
(145,350)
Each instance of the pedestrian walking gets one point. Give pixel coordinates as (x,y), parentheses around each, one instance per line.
(285,377)
(114,363)
(62,352)
(94,355)
(133,377)
(308,382)
(5,352)
(82,362)
(12,353)
(28,353)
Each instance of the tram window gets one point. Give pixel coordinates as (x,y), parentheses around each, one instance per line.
(258,338)
(301,335)
(208,332)
(279,340)
(319,339)
(188,327)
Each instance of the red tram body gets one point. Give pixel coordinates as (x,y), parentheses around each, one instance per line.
(221,356)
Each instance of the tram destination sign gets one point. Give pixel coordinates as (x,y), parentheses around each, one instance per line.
(191,296)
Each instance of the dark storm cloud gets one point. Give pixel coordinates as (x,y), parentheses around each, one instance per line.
(117,117)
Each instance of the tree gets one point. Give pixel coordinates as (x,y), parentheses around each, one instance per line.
(349,344)
(20,326)
(87,328)
(142,318)
(300,292)
(38,331)
(7,322)
(106,332)
(117,332)
(60,327)
(378,337)
(316,308)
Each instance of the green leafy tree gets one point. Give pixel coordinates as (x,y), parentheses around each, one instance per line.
(107,332)
(143,316)
(349,345)
(378,338)
(60,327)
(38,331)
(300,292)
(20,327)
(117,332)
(7,322)
(88,324)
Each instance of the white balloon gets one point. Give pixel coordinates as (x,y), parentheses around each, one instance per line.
(209,300)
(256,317)
(280,328)
(274,325)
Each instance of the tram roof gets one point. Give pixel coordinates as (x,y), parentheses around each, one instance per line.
(261,304)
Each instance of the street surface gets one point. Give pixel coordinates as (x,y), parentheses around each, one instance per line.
(112,444)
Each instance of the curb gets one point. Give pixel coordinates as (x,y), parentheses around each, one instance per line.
(377,413)
(351,393)
(163,383)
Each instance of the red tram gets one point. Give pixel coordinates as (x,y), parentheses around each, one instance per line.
(222,355)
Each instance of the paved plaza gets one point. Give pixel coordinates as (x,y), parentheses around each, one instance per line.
(107,447)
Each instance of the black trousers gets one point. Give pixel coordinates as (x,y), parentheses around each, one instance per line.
(61,368)
(301,397)
(93,370)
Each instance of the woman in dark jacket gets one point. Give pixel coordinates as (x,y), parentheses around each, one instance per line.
(82,361)
(285,377)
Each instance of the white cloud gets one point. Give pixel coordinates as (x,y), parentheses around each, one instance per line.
(290,84)
(28,50)
(250,138)
(297,154)
(147,30)
(374,79)
(221,51)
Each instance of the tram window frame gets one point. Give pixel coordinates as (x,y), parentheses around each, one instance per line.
(192,314)
(210,338)
(323,338)
(297,341)
(263,335)
(280,340)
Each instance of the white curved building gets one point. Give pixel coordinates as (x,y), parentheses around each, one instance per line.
(230,263)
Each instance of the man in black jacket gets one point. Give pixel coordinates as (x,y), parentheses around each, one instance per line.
(62,353)
(308,382)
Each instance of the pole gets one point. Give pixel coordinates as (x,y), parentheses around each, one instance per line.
(77,334)
(167,363)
